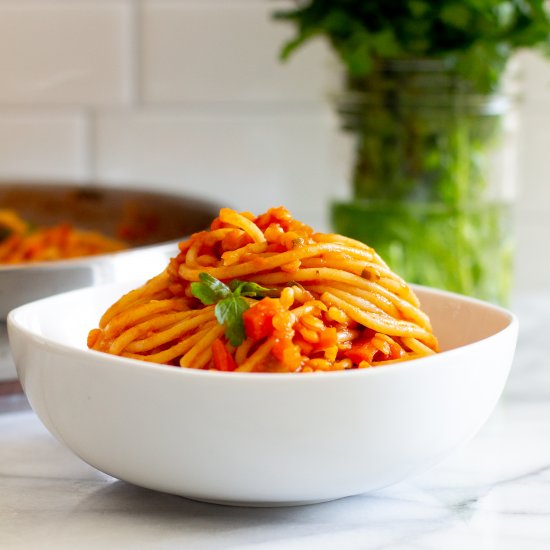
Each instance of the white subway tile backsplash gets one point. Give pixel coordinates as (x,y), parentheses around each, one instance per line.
(64,53)
(226,52)
(249,161)
(535,80)
(42,146)
(190,96)
(534,173)
(531,261)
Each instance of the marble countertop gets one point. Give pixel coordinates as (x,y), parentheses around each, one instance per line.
(494,493)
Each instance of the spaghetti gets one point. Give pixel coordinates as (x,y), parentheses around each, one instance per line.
(20,242)
(303,302)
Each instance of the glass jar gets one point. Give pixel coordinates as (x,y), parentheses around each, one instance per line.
(434,177)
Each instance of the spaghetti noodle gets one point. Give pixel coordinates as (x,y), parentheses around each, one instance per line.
(303,302)
(20,242)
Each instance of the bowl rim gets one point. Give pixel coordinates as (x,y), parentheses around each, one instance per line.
(126,362)
(50,265)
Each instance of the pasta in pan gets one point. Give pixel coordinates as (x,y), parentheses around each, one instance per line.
(20,242)
(267,294)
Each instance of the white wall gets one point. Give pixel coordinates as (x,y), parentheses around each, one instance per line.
(533,208)
(189,95)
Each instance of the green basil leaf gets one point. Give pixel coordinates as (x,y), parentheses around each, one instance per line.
(230,304)
(229,312)
(248,288)
(209,290)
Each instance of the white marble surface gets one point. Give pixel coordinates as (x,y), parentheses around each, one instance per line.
(494,493)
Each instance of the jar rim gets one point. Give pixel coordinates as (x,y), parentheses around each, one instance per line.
(490,104)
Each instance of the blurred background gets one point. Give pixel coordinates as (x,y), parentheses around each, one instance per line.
(191,97)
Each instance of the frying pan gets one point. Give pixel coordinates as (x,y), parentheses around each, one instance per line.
(151,223)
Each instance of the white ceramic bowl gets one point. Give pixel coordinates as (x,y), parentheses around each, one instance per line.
(260,439)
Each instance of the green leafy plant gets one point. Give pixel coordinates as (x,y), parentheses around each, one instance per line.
(230,302)
(475,38)
(420,76)
(422,98)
